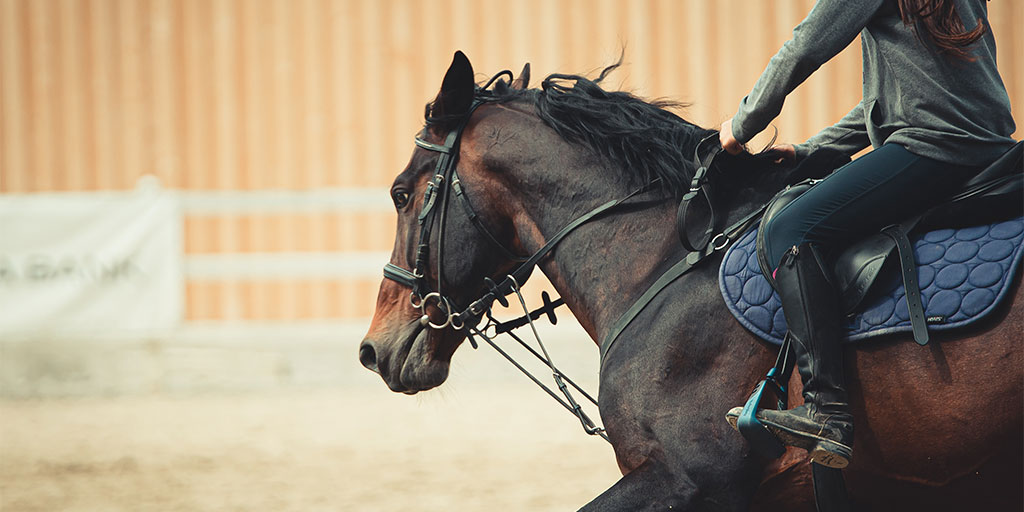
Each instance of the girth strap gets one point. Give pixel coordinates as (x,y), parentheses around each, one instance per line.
(908,269)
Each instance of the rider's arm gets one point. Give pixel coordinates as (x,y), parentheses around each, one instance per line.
(849,135)
(829,28)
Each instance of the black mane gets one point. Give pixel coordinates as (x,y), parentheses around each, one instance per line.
(642,138)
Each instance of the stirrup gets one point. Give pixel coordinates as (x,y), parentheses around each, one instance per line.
(762,440)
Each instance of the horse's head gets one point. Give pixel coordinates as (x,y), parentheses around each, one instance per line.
(452,233)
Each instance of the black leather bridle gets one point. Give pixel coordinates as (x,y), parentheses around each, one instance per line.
(441,187)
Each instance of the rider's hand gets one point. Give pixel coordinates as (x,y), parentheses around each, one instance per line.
(729,142)
(783,153)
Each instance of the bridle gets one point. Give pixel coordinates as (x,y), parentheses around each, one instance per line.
(440,188)
(443,185)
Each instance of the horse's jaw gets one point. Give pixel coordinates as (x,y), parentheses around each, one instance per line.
(408,363)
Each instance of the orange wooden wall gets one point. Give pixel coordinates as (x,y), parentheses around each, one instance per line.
(244,96)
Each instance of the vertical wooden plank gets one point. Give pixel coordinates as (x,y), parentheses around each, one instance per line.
(672,59)
(699,58)
(646,48)
(343,44)
(310,297)
(130,103)
(15,162)
(661,83)
(196,108)
(226,64)
(282,93)
(253,84)
(405,115)
(310,53)
(223,59)
(68,129)
(104,18)
(163,43)
(375,106)
(549,27)
(41,95)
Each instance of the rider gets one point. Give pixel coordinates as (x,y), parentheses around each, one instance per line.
(934,109)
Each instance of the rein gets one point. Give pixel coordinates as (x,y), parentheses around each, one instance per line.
(434,211)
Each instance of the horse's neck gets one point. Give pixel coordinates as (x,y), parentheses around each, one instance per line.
(604,266)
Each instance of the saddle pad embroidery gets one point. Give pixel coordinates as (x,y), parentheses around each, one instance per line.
(963,275)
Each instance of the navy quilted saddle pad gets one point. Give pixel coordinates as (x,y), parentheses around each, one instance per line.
(963,274)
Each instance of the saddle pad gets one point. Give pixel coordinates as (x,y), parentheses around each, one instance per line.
(963,274)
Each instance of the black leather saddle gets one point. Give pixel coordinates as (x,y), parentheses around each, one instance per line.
(994,194)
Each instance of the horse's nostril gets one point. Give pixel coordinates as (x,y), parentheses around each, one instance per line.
(368,356)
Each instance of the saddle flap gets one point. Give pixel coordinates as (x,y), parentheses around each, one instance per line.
(858,267)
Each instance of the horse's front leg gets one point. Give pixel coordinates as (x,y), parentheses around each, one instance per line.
(651,486)
(667,423)
(663,485)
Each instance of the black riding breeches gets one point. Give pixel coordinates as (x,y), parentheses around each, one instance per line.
(880,188)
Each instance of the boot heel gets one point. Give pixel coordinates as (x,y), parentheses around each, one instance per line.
(831,455)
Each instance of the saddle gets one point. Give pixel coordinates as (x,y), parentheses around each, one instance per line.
(993,195)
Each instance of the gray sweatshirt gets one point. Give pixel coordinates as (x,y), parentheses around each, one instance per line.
(933,104)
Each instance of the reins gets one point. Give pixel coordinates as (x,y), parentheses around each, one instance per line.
(434,210)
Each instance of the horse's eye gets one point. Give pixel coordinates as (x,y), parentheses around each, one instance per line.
(401,198)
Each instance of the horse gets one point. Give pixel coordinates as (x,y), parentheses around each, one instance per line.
(937,426)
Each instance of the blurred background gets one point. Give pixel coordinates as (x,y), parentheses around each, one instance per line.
(194,216)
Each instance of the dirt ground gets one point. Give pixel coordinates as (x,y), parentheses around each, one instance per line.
(351,449)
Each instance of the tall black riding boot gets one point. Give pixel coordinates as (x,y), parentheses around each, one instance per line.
(823,425)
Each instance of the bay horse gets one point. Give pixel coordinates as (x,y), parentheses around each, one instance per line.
(938,427)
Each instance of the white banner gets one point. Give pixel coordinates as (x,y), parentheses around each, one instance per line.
(87,264)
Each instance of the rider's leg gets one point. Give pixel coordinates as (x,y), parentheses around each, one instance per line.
(882,187)
(823,424)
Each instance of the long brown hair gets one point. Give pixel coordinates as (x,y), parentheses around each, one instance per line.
(943,25)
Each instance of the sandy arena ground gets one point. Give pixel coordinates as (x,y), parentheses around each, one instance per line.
(491,445)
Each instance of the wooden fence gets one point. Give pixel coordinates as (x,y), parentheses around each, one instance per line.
(282,122)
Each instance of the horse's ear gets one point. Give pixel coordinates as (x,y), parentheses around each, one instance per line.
(524,78)
(457,89)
